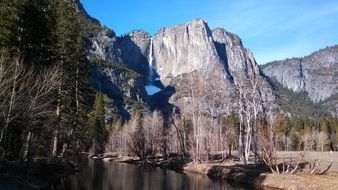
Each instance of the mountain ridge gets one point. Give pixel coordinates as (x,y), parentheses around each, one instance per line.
(307,71)
(315,74)
(185,48)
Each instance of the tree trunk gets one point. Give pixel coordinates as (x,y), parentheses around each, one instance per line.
(58,114)
(55,143)
(25,149)
(11,103)
(229,149)
(65,144)
(64,148)
(26,146)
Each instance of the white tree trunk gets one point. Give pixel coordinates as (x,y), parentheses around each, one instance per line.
(26,146)
(8,117)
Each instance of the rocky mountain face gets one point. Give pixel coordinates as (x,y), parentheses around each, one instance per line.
(241,66)
(183,49)
(175,52)
(315,74)
(113,72)
(180,58)
(130,50)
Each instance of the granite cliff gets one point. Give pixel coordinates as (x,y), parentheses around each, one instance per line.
(173,56)
(176,52)
(315,75)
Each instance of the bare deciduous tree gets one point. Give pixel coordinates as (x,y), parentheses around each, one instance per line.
(39,89)
(145,134)
(11,92)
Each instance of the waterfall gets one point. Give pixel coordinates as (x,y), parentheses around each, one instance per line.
(150,60)
(150,87)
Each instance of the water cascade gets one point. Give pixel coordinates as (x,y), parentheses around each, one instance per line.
(151,88)
(150,60)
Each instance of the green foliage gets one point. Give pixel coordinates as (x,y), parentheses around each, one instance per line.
(36,33)
(117,67)
(87,25)
(41,34)
(64,29)
(69,52)
(296,128)
(299,103)
(116,124)
(296,103)
(10,25)
(98,124)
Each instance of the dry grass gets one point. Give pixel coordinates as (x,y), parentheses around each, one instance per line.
(311,156)
(302,179)
(328,181)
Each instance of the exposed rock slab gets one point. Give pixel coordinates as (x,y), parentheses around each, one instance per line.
(316,74)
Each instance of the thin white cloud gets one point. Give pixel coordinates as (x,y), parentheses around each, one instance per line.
(281,29)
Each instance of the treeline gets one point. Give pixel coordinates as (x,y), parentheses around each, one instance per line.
(300,132)
(45,92)
(147,135)
(204,130)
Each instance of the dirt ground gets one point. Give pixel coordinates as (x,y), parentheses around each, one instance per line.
(327,181)
(301,180)
(311,156)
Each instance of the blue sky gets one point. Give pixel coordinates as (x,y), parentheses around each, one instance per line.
(271,29)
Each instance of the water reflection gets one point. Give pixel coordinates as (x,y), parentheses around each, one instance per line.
(97,175)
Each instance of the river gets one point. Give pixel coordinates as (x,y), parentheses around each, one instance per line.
(98,175)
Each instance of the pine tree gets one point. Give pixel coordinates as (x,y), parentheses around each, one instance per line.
(74,89)
(23,44)
(39,34)
(10,25)
(36,34)
(10,40)
(97,122)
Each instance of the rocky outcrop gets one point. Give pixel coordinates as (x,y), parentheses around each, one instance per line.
(104,45)
(130,50)
(183,49)
(241,67)
(135,47)
(316,74)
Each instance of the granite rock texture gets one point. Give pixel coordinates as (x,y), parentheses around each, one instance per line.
(316,74)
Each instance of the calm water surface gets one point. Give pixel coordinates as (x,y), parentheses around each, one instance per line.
(98,175)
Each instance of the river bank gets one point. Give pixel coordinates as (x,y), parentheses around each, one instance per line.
(42,175)
(258,177)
